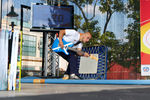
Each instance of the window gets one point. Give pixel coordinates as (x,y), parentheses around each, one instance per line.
(29,45)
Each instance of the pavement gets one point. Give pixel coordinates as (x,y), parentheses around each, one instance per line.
(78,92)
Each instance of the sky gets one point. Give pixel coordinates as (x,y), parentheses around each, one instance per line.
(17,4)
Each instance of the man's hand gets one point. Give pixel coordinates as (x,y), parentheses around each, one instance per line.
(86,54)
(61,44)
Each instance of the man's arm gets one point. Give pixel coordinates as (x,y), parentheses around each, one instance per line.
(85,54)
(61,34)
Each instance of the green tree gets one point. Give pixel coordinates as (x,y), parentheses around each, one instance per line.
(128,54)
(80,4)
(77,21)
(56,2)
(133,31)
(109,7)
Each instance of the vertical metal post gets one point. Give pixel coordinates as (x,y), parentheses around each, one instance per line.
(0,13)
(10,43)
(21,19)
(45,54)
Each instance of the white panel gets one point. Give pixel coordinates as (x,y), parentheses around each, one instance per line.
(145,70)
(3,59)
(88,65)
(13,67)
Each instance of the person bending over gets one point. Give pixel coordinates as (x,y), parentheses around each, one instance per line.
(77,38)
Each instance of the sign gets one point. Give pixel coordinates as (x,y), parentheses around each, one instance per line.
(145,36)
(55,17)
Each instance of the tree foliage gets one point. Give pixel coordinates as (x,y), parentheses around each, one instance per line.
(133,30)
(128,54)
(109,7)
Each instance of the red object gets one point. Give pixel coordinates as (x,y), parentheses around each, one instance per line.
(145,58)
(118,72)
(144,11)
(57,34)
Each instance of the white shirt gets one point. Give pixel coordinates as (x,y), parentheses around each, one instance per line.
(72,36)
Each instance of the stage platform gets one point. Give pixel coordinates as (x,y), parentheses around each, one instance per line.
(60,81)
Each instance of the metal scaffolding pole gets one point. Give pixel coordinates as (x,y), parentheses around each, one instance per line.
(53,58)
(45,54)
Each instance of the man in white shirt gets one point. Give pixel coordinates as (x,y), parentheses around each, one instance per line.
(70,35)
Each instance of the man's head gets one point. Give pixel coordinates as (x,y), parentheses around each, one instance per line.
(86,37)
